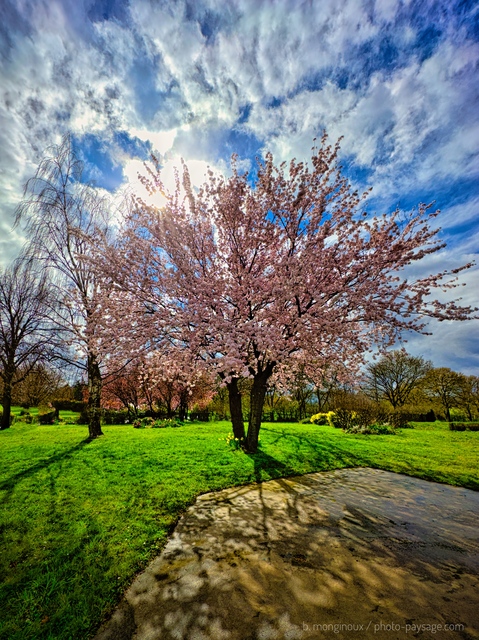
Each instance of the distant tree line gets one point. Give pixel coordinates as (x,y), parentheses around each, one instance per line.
(397,382)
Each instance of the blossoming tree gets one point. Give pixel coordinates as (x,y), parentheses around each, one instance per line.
(253,273)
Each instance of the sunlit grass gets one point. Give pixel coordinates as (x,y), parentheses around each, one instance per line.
(79,519)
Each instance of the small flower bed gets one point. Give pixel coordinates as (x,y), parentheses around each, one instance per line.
(374,429)
(152,423)
(234,443)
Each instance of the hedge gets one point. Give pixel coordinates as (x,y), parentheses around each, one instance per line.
(464,426)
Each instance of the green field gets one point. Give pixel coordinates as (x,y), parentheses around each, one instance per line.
(79,519)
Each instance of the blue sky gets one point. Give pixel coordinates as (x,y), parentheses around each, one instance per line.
(201,79)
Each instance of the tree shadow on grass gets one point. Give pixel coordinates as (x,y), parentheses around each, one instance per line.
(62,588)
(326,454)
(322,456)
(266,467)
(10,483)
(60,580)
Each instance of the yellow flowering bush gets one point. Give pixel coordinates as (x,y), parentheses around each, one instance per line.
(330,415)
(319,418)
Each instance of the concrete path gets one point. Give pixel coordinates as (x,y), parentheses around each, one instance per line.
(354,553)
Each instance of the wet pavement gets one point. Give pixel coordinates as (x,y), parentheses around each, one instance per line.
(352,553)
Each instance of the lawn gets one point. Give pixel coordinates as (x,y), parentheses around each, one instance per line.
(79,519)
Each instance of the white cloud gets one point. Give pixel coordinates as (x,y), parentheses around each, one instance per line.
(161,141)
(460,214)
(452,344)
(87,76)
(404,126)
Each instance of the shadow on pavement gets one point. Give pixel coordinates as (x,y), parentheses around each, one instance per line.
(353,553)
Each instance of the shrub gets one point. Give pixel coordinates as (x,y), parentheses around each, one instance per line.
(167,422)
(374,429)
(152,414)
(457,415)
(462,426)
(414,416)
(366,420)
(399,420)
(319,418)
(382,430)
(342,419)
(25,416)
(367,416)
(83,418)
(68,405)
(46,415)
(151,423)
(143,423)
(331,415)
(110,416)
(201,416)
(12,417)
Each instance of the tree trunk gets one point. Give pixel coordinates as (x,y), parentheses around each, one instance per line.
(94,398)
(257,396)
(7,406)
(183,407)
(302,409)
(323,398)
(236,409)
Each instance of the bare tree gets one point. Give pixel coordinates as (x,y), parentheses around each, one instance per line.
(40,386)
(394,377)
(444,385)
(62,217)
(301,391)
(328,379)
(25,301)
(468,396)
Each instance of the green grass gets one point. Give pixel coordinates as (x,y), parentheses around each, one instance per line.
(78,519)
(69,417)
